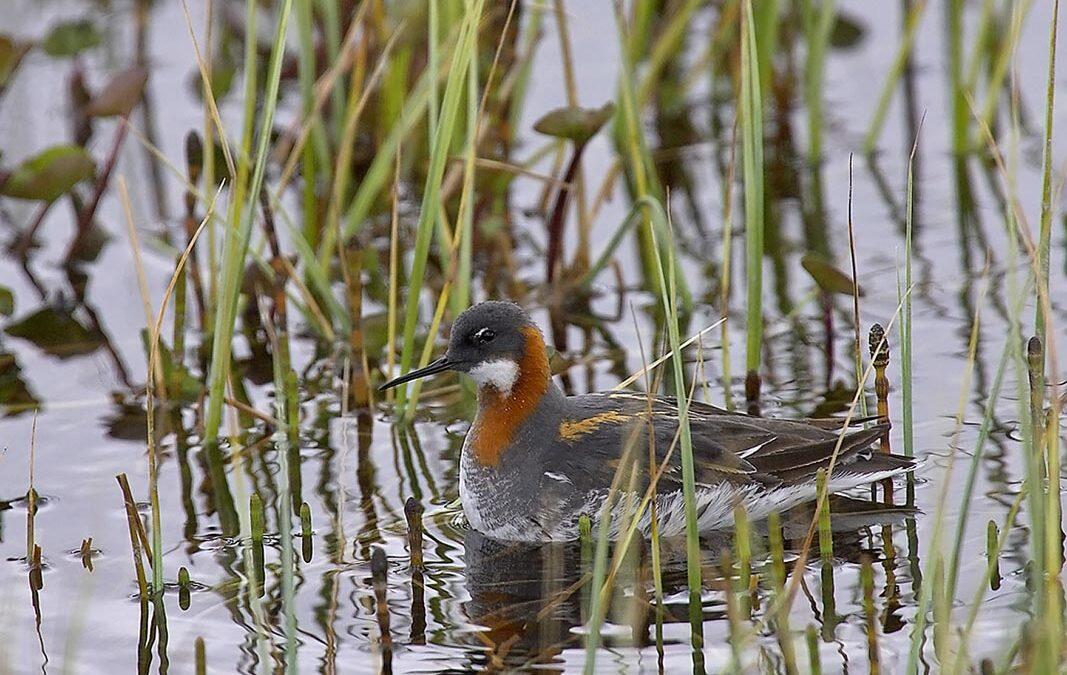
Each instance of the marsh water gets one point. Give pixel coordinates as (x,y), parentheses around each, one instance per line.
(77,376)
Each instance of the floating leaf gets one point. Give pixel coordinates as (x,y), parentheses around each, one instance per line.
(49,175)
(846,32)
(70,37)
(120,95)
(828,277)
(179,382)
(15,395)
(89,244)
(576,124)
(7,301)
(11,53)
(223,75)
(55,331)
(127,420)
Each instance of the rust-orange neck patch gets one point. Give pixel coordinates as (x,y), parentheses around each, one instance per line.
(500,415)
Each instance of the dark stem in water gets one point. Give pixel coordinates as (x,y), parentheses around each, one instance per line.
(379,570)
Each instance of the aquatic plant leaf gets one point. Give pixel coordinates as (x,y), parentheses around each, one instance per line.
(128,421)
(828,277)
(574,123)
(55,331)
(71,37)
(179,381)
(15,394)
(846,32)
(7,301)
(50,175)
(11,53)
(89,245)
(120,94)
(223,75)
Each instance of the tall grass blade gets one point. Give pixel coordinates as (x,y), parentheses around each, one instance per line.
(239,231)
(440,147)
(751,127)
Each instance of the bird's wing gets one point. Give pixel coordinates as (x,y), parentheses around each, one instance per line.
(608,431)
(727,446)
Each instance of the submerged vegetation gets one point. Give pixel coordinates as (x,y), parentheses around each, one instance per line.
(351,175)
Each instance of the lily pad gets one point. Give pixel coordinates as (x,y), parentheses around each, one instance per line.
(120,95)
(7,301)
(224,73)
(11,53)
(55,331)
(71,37)
(15,395)
(846,32)
(574,123)
(89,244)
(180,383)
(50,175)
(827,276)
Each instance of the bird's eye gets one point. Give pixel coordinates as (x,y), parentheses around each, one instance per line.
(484,335)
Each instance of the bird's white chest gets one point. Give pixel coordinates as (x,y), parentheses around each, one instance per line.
(480,494)
(500,374)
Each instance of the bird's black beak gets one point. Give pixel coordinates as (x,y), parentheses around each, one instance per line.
(438,366)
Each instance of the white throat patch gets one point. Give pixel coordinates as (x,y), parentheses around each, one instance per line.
(500,374)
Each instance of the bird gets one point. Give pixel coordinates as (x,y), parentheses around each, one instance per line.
(535,461)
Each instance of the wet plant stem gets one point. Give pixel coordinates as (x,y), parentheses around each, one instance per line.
(136,539)
(379,567)
(88,212)
(557,220)
(440,148)
(239,230)
(751,115)
(781,621)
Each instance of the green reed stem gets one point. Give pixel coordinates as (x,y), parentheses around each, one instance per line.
(826,537)
(235,248)
(598,592)
(286,442)
(867,582)
(907,411)
(183,589)
(781,620)
(463,247)
(818,24)
(992,552)
(380,172)
(665,48)
(306,540)
(641,168)
(958,103)
(200,656)
(751,125)
(811,635)
(1002,62)
(736,633)
(896,71)
(331,23)
(764,16)
(669,298)
(938,593)
(1045,233)
(257,516)
(315,153)
(433,59)
(980,49)
(440,146)
(965,507)
(137,540)
(743,547)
